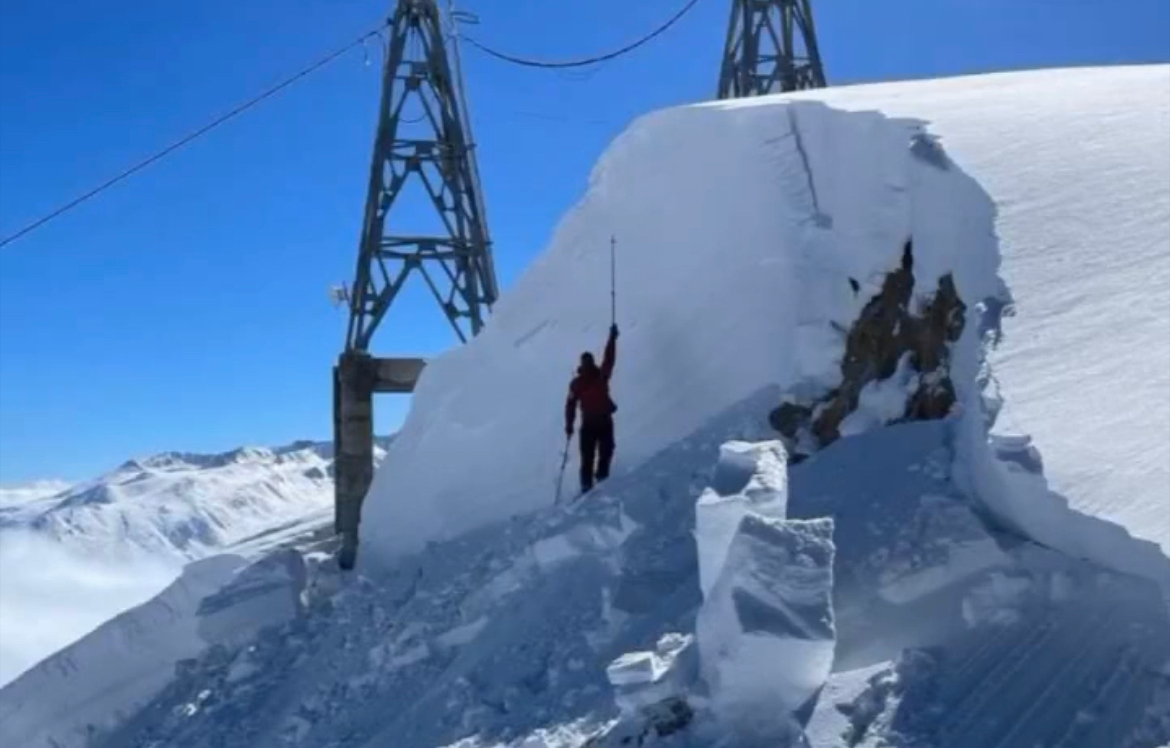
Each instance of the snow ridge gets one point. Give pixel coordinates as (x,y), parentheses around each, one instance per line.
(183,506)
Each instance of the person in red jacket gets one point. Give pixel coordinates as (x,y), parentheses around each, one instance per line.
(590,390)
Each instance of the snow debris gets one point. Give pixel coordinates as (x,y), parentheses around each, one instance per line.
(643,680)
(996,600)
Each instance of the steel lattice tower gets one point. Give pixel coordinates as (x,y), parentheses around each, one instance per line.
(771,48)
(431,152)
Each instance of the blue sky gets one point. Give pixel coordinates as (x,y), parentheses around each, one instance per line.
(187,307)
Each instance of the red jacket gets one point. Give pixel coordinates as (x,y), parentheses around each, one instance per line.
(590,389)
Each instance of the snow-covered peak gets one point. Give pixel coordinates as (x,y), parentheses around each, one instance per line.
(185,505)
(302,451)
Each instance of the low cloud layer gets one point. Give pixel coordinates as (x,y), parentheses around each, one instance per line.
(51,596)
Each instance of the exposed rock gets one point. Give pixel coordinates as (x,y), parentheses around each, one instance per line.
(888,329)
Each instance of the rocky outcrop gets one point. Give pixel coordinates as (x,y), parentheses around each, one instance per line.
(891,331)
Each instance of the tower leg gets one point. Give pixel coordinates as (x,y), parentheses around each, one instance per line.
(354,449)
(356,378)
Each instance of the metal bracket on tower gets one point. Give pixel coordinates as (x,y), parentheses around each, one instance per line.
(422,142)
(771,48)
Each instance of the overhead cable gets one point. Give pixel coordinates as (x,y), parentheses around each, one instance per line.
(360,41)
(584,62)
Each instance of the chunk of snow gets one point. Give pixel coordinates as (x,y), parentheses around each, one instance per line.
(580,539)
(765,632)
(461,635)
(266,593)
(643,679)
(996,601)
(748,478)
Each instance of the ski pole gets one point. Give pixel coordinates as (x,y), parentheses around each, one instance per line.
(613,280)
(561,475)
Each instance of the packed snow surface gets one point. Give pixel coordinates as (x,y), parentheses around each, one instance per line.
(732,266)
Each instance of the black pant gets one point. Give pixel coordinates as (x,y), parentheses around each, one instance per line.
(596,442)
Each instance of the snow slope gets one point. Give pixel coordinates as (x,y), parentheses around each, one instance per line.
(510,636)
(122,664)
(722,290)
(481,616)
(74,556)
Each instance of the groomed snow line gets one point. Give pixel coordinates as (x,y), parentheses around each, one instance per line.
(750,234)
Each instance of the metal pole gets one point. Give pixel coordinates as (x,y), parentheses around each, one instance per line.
(613,280)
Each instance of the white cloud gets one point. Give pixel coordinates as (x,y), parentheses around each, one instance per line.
(51,596)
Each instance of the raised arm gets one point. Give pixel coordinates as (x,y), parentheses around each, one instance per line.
(608,360)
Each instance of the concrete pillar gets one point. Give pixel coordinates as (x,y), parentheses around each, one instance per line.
(354,448)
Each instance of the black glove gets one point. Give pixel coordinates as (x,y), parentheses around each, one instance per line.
(613,331)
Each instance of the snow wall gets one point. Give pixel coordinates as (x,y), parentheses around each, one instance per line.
(739,226)
(738,229)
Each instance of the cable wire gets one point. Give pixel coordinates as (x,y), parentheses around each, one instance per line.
(528,62)
(192,136)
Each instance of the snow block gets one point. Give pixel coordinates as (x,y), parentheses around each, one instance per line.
(267,593)
(748,478)
(766,631)
(641,680)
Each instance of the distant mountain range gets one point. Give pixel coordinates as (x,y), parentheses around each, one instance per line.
(179,504)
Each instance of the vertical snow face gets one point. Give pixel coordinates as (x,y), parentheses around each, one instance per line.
(765,631)
(748,478)
(1076,162)
(749,239)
